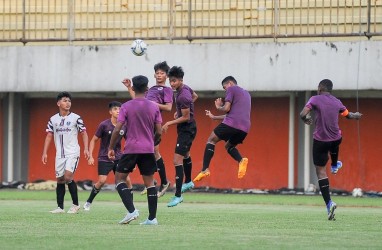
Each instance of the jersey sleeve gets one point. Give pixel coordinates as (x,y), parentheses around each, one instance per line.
(80,125)
(99,130)
(158,116)
(310,103)
(49,127)
(229,95)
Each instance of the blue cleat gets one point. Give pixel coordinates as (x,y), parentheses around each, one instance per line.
(187,186)
(331,207)
(150,222)
(175,201)
(334,169)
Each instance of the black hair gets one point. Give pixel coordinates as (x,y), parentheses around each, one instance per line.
(162,66)
(114,104)
(326,85)
(229,78)
(176,72)
(140,83)
(64,94)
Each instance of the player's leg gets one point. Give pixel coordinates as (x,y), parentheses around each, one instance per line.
(187,166)
(164,183)
(209,152)
(104,169)
(60,188)
(71,165)
(179,173)
(147,167)
(236,137)
(125,166)
(320,158)
(334,151)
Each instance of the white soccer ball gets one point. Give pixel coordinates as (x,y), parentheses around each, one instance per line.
(138,47)
(357,192)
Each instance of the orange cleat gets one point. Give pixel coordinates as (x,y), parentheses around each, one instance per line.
(242,168)
(202,175)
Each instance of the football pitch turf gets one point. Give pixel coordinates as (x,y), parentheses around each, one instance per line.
(202,221)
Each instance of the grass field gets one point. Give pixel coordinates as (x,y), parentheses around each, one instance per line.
(202,221)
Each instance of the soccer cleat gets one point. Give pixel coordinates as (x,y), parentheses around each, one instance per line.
(331,207)
(144,191)
(242,168)
(163,189)
(129,217)
(57,211)
(87,206)
(187,186)
(149,222)
(74,209)
(175,201)
(334,169)
(202,175)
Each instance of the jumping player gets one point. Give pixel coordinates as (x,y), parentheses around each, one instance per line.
(234,128)
(186,130)
(64,127)
(326,136)
(105,165)
(142,117)
(163,97)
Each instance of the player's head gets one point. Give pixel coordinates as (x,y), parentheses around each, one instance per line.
(175,76)
(64,94)
(228,82)
(325,85)
(64,101)
(114,108)
(140,84)
(161,69)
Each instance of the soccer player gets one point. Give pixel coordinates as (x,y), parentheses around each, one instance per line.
(186,129)
(105,165)
(234,128)
(64,127)
(142,117)
(162,96)
(326,136)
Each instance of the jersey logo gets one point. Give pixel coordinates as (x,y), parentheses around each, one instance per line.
(160,88)
(68,123)
(121,132)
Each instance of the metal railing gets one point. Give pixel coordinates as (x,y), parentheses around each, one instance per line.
(101,20)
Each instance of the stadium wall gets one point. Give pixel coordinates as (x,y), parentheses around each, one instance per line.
(266,145)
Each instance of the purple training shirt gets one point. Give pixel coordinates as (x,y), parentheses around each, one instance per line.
(239,116)
(140,116)
(326,108)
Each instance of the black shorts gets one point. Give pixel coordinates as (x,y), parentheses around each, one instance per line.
(321,149)
(105,167)
(146,163)
(232,135)
(186,135)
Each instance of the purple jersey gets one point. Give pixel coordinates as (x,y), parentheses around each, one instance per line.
(326,108)
(104,132)
(140,116)
(239,116)
(160,94)
(183,99)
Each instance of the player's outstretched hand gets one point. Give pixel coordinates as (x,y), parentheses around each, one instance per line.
(127,82)
(218,103)
(209,114)
(308,120)
(165,127)
(357,115)
(86,154)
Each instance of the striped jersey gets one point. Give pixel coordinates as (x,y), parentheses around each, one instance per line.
(65,133)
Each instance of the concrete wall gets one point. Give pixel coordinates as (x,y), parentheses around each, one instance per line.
(257,66)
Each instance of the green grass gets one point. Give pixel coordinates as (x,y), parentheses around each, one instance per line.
(202,221)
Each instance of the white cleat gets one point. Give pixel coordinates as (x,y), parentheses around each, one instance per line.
(74,209)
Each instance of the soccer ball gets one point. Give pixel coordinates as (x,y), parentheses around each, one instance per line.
(138,47)
(357,192)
